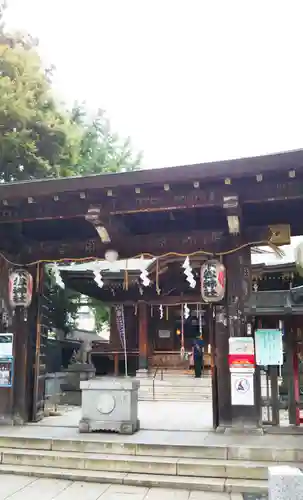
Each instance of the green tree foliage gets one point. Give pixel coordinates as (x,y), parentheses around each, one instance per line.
(101,150)
(101,313)
(39,138)
(63,304)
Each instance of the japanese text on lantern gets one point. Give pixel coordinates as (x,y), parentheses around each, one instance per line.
(213,280)
(20,288)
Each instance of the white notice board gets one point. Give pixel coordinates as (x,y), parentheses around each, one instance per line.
(242,389)
(269,347)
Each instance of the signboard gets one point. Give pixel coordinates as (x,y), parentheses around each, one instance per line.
(269,347)
(242,389)
(164,334)
(241,353)
(6,345)
(6,372)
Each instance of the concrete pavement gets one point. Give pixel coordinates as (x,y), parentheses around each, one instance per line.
(28,488)
(153,415)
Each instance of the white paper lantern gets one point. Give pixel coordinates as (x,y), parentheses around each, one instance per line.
(20,288)
(299,258)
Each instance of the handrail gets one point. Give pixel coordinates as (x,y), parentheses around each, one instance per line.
(154,378)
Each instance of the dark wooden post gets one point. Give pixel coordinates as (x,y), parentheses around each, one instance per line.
(116,364)
(238,267)
(143,336)
(6,393)
(115,341)
(21,369)
(222,374)
(15,402)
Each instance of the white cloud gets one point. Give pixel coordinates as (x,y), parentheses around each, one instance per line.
(188,80)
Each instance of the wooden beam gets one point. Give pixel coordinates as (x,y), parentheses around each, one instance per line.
(181,244)
(277,164)
(157,244)
(151,199)
(161,300)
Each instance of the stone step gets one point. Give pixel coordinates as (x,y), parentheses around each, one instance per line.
(156,465)
(184,389)
(198,382)
(175,399)
(105,446)
(146,480)
(169,388)
(174,394)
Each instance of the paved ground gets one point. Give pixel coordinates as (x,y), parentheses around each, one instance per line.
(153,415)
(173,437)
(27,488)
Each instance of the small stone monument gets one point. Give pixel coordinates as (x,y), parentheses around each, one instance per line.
(110,404)
(285,483)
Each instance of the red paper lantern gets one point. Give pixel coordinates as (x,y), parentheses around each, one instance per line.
(213,281)
(20,288)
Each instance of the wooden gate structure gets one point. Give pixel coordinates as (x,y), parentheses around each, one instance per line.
(217,209)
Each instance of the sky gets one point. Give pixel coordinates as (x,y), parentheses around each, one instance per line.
(188,80)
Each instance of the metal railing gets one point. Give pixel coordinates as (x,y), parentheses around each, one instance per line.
(159,367)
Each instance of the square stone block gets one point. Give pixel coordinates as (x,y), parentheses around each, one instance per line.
(285,483)
(110,404)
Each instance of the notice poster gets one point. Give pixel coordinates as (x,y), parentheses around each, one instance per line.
(6,345)
(242,389)
(269,347)
(6,372)
(241,353)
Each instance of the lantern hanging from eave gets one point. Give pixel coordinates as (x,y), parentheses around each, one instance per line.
(213,281)
(299,258)
(20,288)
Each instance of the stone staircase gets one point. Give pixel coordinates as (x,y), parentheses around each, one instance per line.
(175,388)
(222,468)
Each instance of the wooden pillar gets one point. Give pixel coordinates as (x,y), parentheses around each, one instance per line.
(116,364)
(6,393)
(15,401)
(223,408)
(238,267)
(143,336)
(115,341)
(21,369)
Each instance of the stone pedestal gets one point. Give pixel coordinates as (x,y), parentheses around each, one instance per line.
(75,374)
(285,483)
(142,373)
(110,404)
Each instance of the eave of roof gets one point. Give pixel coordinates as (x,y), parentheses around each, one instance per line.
(282,161)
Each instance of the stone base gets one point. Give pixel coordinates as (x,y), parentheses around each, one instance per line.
(249,430)
(9,420)
(285,483)
(110,404)
(71,398)
(71,387)
(128,428)
(142,373)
